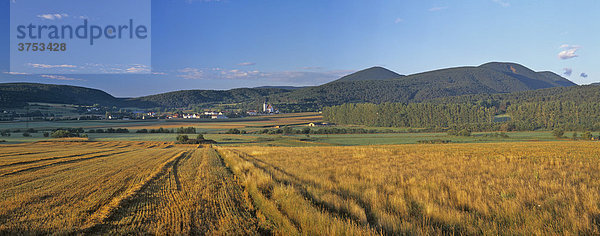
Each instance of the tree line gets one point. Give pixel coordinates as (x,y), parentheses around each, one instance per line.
(480,116)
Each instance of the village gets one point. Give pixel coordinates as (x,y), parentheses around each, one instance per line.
(55,112)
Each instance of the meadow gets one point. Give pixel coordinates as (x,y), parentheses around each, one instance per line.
(145,187)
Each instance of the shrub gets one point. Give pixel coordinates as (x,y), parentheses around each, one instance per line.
(186,130)
(434,141)
(558,133)
(64,134)
(184,139)
(46,134)
(26,134)
(233,131)
(142,131)
(5,133)
(587,135)
(464,132)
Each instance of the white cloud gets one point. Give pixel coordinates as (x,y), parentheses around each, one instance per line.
(53,16)
(191,73)
(246,64)
(276,77)
(568,71)
(46,66)
(398,20)
(502,3)
(137,69)
(568,51)
(438,8)
(15,73)
(58,77)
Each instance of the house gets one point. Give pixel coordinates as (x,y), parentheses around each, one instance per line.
(191,116)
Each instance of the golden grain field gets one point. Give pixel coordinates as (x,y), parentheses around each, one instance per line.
(504,188)
(534,188)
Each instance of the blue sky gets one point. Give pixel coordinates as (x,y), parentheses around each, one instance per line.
(201,44)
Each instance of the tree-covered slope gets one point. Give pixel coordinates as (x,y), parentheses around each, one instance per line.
(373,73)
(17,94)
(489,78)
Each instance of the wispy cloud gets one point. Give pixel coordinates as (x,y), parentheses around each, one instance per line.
(191,73)
(277,77)
(398,20)
(246,64)
(502,3)
(58,77)
(437,8)
(53,16)
(568,71)
(14,73)
(137,69)
(568,51)
(46,66)
(583,75)
(312,68)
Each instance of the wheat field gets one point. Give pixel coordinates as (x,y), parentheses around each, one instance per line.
(158,188)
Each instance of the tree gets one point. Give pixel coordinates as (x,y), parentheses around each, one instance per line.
(182,138)
(200,137)
(558,133)
(587,135)
(5,133)
(575,135)
(26,134)
(464,132)
(63,134)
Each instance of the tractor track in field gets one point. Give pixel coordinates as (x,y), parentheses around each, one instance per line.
(12,154)
(50,158)
(99,221)
(300,185)
(62,163)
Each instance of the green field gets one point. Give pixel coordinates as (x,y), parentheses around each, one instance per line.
(215,129)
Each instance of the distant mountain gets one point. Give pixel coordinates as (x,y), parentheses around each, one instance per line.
(373,73)
(488,78)
(374,85)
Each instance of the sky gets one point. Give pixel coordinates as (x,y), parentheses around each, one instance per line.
(223,44)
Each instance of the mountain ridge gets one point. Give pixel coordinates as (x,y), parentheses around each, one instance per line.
(374,85)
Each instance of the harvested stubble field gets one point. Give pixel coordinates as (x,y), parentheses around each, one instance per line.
(160,188)
(119,188)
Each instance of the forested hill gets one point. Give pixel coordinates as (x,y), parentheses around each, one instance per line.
(196,97)
(373,85)
(373,73)
(17,94)
(488,78)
